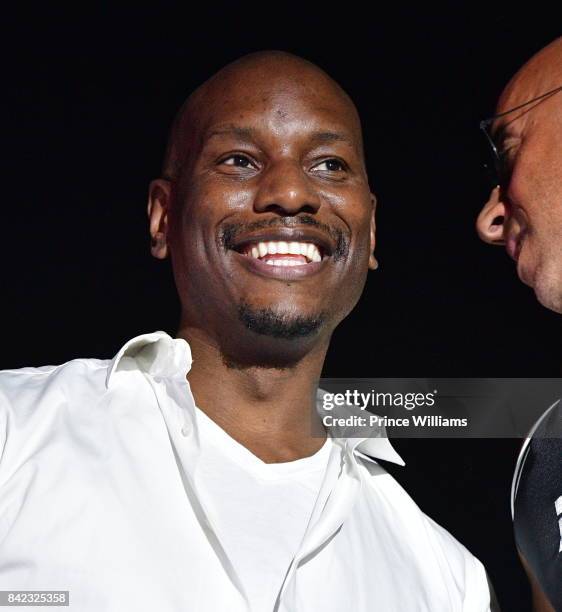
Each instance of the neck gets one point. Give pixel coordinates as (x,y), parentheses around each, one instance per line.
(270,410)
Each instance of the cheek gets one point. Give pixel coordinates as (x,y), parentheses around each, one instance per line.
(361,229)
(536,181)
(192,237)
(214,196)
(536,205)
(353,207)
(204,205)
(218,197)
(357,264)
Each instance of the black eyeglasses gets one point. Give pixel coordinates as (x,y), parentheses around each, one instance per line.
(497,168)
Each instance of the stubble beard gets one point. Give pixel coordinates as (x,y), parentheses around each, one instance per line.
(280,325)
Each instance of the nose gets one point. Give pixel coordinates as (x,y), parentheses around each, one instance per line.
(286,189)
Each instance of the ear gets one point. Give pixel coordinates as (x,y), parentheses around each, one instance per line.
(159,202)
(373,263)
(490,224)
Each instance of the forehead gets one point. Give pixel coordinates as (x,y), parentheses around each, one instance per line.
(541,74)
(289,104)
(534,99)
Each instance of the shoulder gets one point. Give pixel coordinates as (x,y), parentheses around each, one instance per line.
(33,395)
(407,511)
(432,543)
(26,386)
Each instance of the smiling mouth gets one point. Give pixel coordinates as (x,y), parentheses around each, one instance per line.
(283,253)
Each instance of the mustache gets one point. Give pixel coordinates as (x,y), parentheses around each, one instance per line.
(230,231)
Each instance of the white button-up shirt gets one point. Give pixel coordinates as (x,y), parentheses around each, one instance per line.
(98,498)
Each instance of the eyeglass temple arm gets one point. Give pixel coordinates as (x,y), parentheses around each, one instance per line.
(486,122)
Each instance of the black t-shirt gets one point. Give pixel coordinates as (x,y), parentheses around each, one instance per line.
(537,503)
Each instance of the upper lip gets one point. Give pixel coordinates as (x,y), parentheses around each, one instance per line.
(324,242)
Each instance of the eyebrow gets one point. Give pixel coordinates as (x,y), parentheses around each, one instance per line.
(243,133)
(250,134)
(328,137)
(503,132)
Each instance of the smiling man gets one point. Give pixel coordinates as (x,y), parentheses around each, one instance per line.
(524,214)
(194,473)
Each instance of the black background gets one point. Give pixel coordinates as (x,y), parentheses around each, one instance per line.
(88,98)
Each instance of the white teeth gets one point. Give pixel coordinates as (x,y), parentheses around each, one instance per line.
(307,249)
(284,262)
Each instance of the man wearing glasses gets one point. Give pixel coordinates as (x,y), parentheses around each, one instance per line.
(524,213)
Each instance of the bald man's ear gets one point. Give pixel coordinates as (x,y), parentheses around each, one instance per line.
(490,224)
(159,201)
(373,263)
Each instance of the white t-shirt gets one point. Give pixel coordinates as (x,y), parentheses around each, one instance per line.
(259,510)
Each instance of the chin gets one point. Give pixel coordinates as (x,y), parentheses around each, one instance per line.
(543,273)
(548,289)
(552,302)
(281,323)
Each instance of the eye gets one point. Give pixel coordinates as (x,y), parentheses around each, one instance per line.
(507,154)
(239,161)
(330,165)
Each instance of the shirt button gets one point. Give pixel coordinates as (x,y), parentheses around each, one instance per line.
(186,429)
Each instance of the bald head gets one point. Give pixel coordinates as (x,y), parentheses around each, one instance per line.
(265,74)
(542,73)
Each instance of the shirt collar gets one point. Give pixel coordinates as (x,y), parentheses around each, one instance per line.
(373,443)
(160,355)
(156,353)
